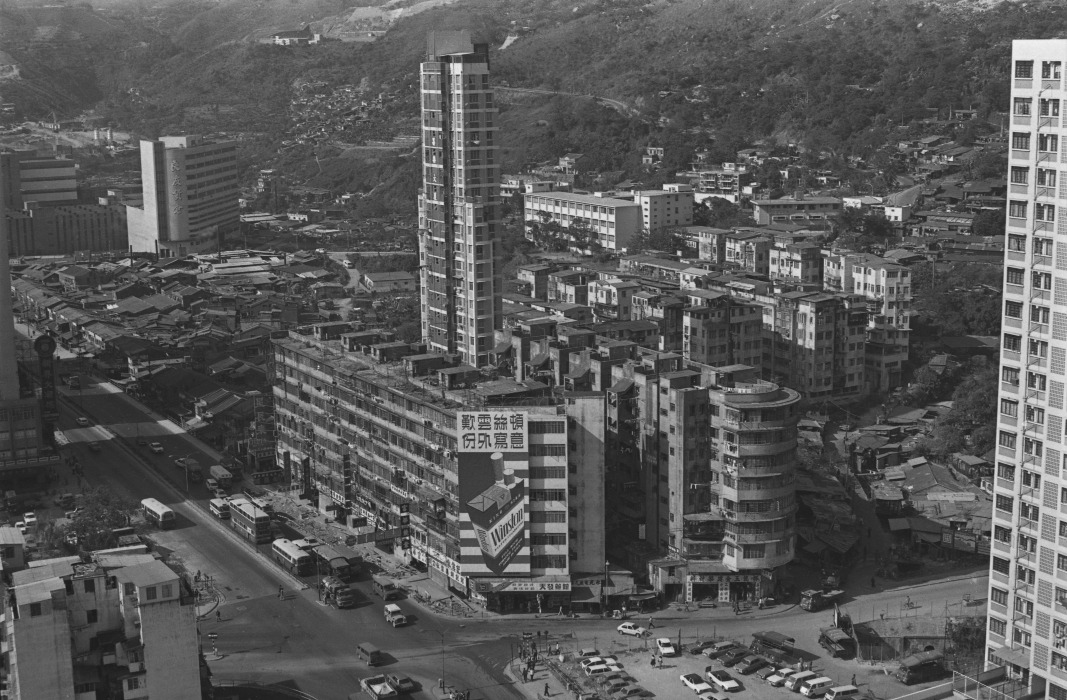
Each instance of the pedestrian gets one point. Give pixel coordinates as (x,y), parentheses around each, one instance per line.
(281,592)
(546,690)
(659,662)
(218,615)
(652,663)
(883,616)
(650,625)
(560,613)
(853,679)
(872,582)
(525,674)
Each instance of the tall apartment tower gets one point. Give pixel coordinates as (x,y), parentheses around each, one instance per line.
(1028,588)
(190,196)
(459,205)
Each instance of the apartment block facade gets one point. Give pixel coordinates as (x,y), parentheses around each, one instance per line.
(189,187)
(459,204)
(403,453)
(123,626)
(668,208)
(613,221)
(1028,569)
(29,179)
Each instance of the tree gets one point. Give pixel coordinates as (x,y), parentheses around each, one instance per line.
(719,213)
(102,510)
(988,222)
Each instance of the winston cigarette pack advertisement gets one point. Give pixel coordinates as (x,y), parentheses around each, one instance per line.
(493,461)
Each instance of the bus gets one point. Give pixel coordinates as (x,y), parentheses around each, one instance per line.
(257,501)
(384,588)
(158,514)
(291,557)
(220,508)
(250,522)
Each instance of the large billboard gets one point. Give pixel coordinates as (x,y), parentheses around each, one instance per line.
(494,500)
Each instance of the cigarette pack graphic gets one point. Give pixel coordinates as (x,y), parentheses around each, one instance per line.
(498,516)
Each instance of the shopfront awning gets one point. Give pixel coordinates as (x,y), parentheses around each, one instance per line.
(1015,657)
(644,596)
(585,594)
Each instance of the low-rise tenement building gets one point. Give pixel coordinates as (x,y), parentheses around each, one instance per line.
(731,182)
(801,208)
(664,209)
(121,625)
(496,485)
(613,222)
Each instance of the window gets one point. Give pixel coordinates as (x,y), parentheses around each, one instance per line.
(1021,636)
(1017,210)
(1035,414)
(1022,106)
(1035,381)
(90,616)
(998,596)
(1020,175)
(133,683)
(1030,512)
(35,609)
(1049,143)
(1046,177)
(1050,108)
(1024,607)
(1005,503)
(1015,275)
(1043,246)
(1006,471)
(1039,314)
(1020,141)
(1013,343)
(1010,375)
(1017,243)
(90,585)
(1024,69)
(150,593)
(1013,309)
(1009,407)
(1002,534)
(1025,575)
(1045,212)
(997,626)
(1001,566)
(1050,70)
(1007,439)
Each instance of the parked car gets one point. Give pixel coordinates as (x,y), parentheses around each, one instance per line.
(586,653)
(630,691)
(734,655)
(720,649)
(155,448)
(95,446)
(403,684)
(766,672)
(723,680)
(713,696)
(590,661)
(665,647)
(30,518)
(700,646)
(694,682)
(82,421)
(779,677)
(632,629)
(751,664)
(70,514)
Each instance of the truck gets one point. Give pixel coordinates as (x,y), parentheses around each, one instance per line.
(837,642)
(221,475)
(191,467)
(379,687)
(394,616)
(812,600)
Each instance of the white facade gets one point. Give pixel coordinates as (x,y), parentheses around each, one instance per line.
(615,222)
(664,209)
(1028,570)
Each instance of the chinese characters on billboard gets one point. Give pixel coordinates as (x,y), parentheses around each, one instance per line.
(493,464)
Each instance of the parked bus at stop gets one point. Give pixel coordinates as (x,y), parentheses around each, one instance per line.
(291,557)
(250,522)
(158,514)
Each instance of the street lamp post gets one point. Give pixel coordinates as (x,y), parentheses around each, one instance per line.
(441,633)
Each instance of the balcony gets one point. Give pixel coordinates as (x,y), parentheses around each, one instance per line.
(994,684)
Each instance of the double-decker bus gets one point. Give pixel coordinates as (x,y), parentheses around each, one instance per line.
(249,521)
(220,508)
(158,514)
(292,557)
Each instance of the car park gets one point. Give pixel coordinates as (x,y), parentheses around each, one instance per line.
(779,677)
(665,647)
(155,448)
(694,682)
(751,664)
(723,680)
(734,655)
(631,629)
(720,649)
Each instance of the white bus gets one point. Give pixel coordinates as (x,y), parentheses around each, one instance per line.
(158,514)
(220,508)
(290,556)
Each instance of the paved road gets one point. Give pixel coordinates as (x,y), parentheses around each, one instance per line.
(295,640)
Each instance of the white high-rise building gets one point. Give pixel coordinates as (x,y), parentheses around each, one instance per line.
(459,205)
(1028,569)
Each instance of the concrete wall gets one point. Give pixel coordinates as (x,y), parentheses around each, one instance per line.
(170,652)
(586,420)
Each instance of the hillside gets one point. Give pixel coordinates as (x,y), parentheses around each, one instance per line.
(829,76)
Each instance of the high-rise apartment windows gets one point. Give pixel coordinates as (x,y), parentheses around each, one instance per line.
(1005,503)
(1020,175)
(1050,108)
(1009,408)
(1046,177)
(1013,343)
(1013,309)
(1021,106)
(1048,143)
(1009,375)
(1006,471)
(1017,210)
(1017,243)
(1024,69)
(1045,212)
(1050,70)
(1007,439)
(998,595)
(1000,565)
(1039,314)
(1043,246)
(1038,348)
(1035,381)
(1020,141)
(1014,275)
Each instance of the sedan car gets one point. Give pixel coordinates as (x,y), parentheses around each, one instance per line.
(95,446)
(720,649)
(751,664)
(665,647)
(630,691)
(733,656)
(766,672)
(403,683)
(779,677)
(723,681)
(694,682)
(156,448)
(590,661)
(180,462)
(582,653)
(631,629)
(698,647)
(712,696)
(30,518)
(82,421)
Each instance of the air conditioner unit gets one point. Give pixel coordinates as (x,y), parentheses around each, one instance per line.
(448,454)
(428,423)
(136,666)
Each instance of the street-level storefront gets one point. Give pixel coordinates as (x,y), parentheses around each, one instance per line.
(543,596)
(697,581)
